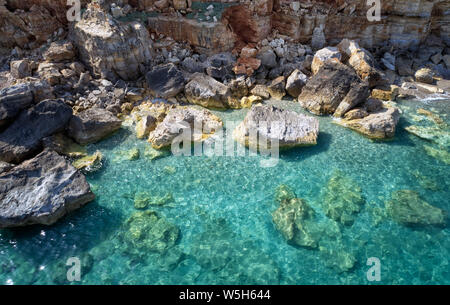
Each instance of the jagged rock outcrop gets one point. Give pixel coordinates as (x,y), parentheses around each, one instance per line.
(165,81)
(110,49)
(13,100)
(207,37)
(205,91)
(362,61)
(26,29)
(402,22)
(332,85)
(284,127)
(60,51)
(378,124)
(322,56)
(23,137)
(92,125)
(62,189)
(191,124)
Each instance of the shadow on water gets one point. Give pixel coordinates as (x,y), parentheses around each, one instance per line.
(303,153)
(38,242)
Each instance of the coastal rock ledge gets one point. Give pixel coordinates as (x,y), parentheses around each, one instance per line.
(62,189)
(288,127)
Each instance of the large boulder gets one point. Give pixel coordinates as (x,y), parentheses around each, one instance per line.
(180,119)
(408,208)
(205,91)
(60,51)
(23,138)
(378,124)
(92,125)
(324,92)
(62,189)
(424,75)
(295,82)
(269,123)
(324,55)
(13,100)
(110,49)
(362,61)
(165,81)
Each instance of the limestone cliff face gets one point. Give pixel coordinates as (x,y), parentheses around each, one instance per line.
(112,50)
(403,22)
(206,36)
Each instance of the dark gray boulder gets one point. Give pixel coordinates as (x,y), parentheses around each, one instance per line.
(13,100)
(165,81)
(22,139)
(92,125)
(61,190)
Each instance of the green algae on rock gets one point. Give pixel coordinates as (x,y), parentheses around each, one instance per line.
(153,154)
(342,198)
(147,231)
(89,163)
(143,199)
(408,208)
(128,155)
(284,192)
(438,153)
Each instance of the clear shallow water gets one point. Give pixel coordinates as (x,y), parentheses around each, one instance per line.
(223,207)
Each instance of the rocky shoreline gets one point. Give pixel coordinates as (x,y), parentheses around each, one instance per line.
(78,84)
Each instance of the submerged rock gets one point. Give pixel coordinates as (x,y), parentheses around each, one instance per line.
(342,199)
(143,199)
(92,125)
(147,231)
(165,81)
(198,123)
(127,155)
(287,127)
(205,91)
(89,163)
(62,189)
(438,153)
(23,138)
(408,208)
(154,154)
(295,221)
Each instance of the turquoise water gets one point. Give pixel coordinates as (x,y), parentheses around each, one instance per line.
(222,207)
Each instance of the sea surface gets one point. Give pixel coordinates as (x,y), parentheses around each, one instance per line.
(222,207)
